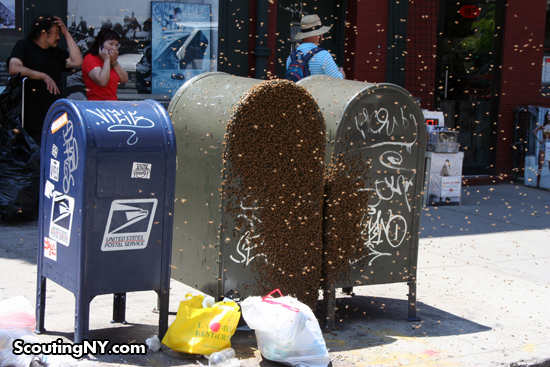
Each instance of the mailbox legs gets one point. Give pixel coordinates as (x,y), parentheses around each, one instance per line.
(40,303)
(163,303)
(119,308)
(329,296)
(82,317)
(82,312)
(412,301)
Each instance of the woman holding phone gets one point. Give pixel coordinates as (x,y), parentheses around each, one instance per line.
(100,69)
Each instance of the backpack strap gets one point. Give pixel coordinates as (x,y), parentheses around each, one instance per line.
(308,56)
(311,53)
(294,55)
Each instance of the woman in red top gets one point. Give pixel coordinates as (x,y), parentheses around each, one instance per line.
(100,69)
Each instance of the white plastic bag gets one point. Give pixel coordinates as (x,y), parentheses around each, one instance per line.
(286,330)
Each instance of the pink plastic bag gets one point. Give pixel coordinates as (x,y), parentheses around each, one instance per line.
(17,313)
(17,321)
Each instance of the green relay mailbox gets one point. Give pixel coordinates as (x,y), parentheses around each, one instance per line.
(379,127)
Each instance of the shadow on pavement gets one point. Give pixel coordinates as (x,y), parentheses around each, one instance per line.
(489,209)
(18,240)
(363,321)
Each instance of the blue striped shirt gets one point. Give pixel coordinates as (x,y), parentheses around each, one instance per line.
(320,63)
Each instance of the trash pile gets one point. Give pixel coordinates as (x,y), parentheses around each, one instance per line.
(286,330)
(19,159)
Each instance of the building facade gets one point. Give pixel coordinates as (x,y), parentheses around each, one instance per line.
(477,61)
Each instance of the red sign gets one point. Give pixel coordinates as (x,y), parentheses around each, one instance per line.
(470,11)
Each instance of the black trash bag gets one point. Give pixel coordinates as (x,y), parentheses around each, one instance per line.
(19,159)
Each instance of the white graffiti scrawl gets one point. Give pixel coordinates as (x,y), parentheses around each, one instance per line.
(378,228)
(70,164)
(246,240)
(380,122)
(392,188)
(120,121)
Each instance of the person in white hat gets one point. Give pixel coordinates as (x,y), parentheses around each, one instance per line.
(311,35)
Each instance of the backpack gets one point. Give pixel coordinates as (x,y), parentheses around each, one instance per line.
(298,68)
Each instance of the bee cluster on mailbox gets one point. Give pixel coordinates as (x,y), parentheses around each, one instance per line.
(275,164)
(345,211)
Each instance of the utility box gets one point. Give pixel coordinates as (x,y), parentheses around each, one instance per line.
(379,128)
(106,203)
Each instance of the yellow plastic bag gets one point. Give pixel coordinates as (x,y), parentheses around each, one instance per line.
(199,330)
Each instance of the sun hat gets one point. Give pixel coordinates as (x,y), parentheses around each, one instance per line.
(311,25)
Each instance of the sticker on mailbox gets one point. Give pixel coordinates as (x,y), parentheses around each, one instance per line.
(61,218)
(129,224)
(50,249)
(54,170)
(59,122)
(141,170)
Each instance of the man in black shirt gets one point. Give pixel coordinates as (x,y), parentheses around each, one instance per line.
(39,59)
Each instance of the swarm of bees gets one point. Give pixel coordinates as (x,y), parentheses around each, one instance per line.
(275,160)
(346,206)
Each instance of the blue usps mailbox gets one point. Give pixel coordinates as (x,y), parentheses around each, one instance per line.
(107,196)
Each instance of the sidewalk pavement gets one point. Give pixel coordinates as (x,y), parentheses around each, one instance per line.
(483,295)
